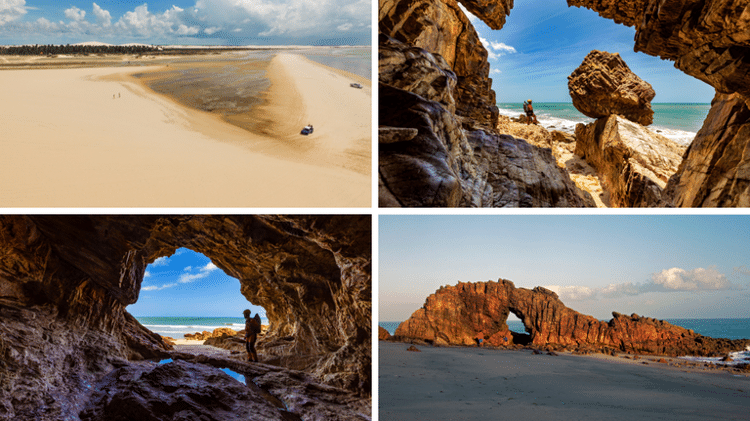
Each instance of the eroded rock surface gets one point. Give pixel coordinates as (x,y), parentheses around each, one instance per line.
(441,28)
(635,163)
(65,282)
(383,334)
(456,315)
(716,169)
(428,158)
(604,85)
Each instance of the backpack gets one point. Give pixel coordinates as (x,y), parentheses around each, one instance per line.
(253,325)
(525,107)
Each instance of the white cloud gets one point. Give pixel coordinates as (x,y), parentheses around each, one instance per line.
(495,71)
(156,288)
(146,274)
(212,30)
(187,30)
(45,25)
(699,279)
(496,50)
(11,10)
(345,27)
(668,280)
(75,14)
(162,261)
(102,16)
(202,273)
(743,270)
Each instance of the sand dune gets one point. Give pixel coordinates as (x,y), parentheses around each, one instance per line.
(96,137)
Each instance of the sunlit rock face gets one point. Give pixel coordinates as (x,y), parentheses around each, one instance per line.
(460,314)
(65,282)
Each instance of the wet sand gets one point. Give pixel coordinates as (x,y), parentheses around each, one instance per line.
(475,383)
(98,137)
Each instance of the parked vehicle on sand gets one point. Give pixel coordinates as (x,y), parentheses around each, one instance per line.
(307,130)
(355,85)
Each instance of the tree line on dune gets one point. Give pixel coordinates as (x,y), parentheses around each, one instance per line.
(35,50)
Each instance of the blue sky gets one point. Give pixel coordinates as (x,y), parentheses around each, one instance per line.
(657,266)
(542,43)
(188,284)
(192,22)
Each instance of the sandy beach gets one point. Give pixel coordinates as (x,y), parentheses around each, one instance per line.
(477,383)
(97,137)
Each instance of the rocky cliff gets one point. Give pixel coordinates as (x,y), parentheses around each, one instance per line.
(461,314)
(65,282)
(708,40)
(438,145)
(716,169)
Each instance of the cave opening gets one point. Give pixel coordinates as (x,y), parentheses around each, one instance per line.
(186,293)
(518,330)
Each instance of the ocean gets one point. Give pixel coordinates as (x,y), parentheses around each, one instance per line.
(357,60)
(679,122)
(715,328)
(177,327)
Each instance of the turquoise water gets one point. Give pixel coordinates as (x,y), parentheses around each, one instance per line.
(679,122)
(715,328)
(177,327)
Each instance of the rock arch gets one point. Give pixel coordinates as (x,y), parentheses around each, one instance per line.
(455,315)
(65,282)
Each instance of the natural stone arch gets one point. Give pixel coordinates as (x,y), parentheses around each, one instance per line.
(65,282)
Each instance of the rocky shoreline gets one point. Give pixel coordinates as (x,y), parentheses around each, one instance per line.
(439,143)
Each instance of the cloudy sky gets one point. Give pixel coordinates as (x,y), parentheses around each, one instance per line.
(204,22)
(657,266)
(188,284)
(542,43)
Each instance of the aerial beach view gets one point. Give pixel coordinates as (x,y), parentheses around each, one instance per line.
(99,316)
(618,317)
(208,111)
(596,105)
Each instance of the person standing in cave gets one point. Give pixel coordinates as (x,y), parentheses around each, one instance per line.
(252,329)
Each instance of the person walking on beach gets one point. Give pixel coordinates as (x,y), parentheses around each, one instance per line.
(529,110)
(252,329)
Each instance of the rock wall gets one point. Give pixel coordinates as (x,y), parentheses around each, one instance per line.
(634,162)
(441,28)
(715,171)
(65,282)
(458,315)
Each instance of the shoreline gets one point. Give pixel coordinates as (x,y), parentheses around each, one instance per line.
(468,383)
(70,143)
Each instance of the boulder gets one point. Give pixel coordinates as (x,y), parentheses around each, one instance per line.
(635,163)
(604,85)
(383,334)
(715,171)
(455,315)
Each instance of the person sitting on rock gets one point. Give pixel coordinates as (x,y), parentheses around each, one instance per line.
(252,329)
(529,110)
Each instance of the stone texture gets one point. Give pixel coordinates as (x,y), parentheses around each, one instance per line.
(65,282)
(634,162)
(383,334)
(444,165)
(175,391)
(441,28)
(604,85)
(715,171)
(456,315)
(217,333)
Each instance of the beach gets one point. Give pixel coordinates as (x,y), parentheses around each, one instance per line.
(459,383)
(99,137)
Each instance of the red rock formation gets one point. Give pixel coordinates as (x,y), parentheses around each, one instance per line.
(65,282)
(456,315)
(604,85)
(635,162)
(383,334)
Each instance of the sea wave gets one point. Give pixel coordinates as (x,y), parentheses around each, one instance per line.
(738,357)
(552,122)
